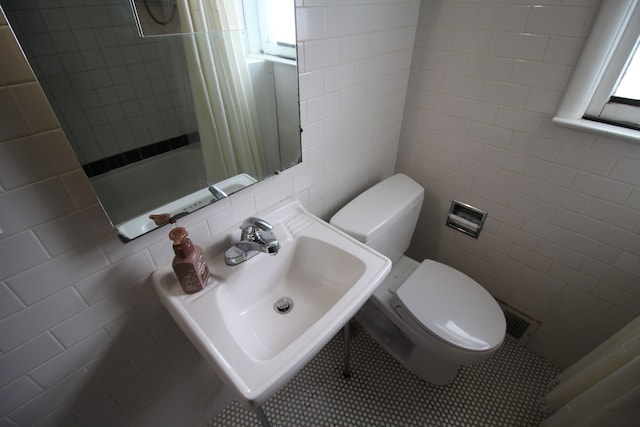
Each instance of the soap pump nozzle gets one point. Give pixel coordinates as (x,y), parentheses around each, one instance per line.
(182,244)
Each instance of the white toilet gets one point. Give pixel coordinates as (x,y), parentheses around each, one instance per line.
(431,317)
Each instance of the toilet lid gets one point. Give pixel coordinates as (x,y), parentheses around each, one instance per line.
(453,307)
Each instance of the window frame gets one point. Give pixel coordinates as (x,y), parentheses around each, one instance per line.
(603,59)
(270,47)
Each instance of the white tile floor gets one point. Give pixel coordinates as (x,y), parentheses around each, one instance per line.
(502,391)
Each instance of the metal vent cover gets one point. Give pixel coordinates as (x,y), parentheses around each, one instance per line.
(519,326)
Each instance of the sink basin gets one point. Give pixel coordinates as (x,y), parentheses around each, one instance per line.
(303,287)
(258,323)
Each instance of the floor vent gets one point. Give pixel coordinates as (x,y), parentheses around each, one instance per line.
(519,326)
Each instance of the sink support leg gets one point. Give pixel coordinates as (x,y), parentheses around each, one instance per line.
(346,368)
(262,417)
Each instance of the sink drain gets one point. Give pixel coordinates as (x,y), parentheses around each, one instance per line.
(283,305)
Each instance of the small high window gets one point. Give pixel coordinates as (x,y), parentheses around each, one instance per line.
(604,93)
(277,27)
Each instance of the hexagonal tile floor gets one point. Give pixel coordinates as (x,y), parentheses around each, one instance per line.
(502,391)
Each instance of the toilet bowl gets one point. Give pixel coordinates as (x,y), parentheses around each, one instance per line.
(431,317)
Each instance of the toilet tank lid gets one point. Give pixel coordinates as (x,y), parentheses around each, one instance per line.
(372,211)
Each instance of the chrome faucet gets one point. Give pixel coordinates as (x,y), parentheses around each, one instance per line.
(257,237)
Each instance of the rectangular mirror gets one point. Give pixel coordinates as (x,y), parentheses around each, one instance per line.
(168,106)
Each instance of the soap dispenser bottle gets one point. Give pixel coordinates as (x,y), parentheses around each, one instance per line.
(189,263)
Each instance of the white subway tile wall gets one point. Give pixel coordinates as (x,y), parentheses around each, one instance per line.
(83,338)
(562,235)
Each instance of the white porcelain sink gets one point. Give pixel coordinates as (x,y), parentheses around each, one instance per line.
(307,280)
(260,322)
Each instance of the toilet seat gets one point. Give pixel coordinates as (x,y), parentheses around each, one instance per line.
(448,304)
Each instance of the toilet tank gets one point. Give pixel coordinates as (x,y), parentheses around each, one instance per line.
(384,216)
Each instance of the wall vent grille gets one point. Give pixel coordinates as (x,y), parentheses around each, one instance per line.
(519,326)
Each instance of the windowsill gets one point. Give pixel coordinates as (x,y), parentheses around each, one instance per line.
(271,58)
(599,128)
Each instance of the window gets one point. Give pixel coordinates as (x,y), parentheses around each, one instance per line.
(277,27)
(603,93)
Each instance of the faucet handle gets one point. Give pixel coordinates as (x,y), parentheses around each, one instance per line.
(253,221)
(253,227)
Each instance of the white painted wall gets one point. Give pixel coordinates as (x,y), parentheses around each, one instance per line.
(561,241)
(80,327)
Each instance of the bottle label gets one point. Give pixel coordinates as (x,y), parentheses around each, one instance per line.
(203,269)
(189,278)
(192,272)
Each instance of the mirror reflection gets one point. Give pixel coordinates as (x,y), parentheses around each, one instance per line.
(168,105)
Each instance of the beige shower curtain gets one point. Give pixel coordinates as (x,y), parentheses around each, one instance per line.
(221,85)
(602,388)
